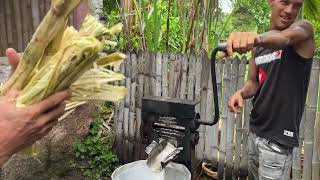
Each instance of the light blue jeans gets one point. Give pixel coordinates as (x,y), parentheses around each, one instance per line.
(267,160)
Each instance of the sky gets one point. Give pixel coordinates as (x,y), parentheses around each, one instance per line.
(226,6)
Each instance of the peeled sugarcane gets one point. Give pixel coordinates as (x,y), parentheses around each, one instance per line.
(51,25)
(60,57)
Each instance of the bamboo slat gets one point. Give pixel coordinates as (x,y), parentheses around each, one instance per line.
(3,34)
(146,70)
(243,172)
(9,23)
(316,150)
(310,120)
(35,13)
(239,119)
(164,68)
(25,23)
(211,132)
(152,72)
(18,24)
(171,75)
(296,154)
(191,77)
(204,115)
(199,149)
(231,120)
(158,78)
(224,117)
(184,70)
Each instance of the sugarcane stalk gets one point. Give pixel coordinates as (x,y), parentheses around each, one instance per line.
(52,23)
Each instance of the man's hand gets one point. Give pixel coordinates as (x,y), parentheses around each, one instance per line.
(241,42)
(21,127)
(235,102)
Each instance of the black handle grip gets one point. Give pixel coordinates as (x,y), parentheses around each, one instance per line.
(220,47)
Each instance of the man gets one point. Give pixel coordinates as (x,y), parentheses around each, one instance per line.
(278,80)
(21,127)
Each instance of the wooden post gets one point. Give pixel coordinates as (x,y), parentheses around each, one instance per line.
(310,119)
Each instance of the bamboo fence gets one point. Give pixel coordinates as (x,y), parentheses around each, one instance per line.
(225,145)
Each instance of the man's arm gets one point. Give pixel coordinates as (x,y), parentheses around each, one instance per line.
(249,89)
(299,35)
(251,86)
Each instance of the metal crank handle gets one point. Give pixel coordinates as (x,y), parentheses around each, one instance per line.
(219,48)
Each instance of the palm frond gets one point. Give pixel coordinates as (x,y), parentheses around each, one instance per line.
(312,9)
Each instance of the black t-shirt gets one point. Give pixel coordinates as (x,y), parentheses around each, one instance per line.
(279,103)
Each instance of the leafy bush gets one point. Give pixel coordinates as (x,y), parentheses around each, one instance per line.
(94,154)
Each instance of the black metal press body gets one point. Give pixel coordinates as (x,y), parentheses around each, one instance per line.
(176,120)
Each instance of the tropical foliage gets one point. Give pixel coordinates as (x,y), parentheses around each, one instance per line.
(190,25)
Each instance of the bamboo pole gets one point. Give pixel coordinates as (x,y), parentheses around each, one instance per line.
(310,119)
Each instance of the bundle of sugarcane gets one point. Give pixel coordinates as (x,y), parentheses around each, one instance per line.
(59,57)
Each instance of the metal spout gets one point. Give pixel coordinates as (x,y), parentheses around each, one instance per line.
(161,154)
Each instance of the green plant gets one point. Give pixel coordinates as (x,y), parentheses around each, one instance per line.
(94,154)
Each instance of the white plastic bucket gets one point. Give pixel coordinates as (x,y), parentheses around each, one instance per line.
(139,170)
